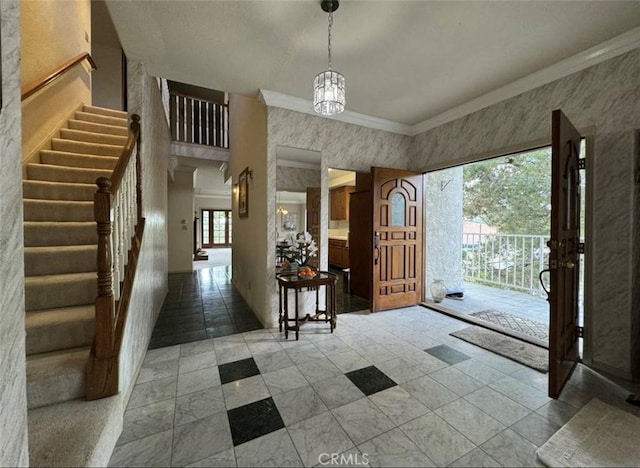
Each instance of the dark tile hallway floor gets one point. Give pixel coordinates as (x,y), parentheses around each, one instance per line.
(346,302)
(199,305)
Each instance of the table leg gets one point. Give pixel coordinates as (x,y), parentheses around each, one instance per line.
(286,313)
(280,307)
(297,323)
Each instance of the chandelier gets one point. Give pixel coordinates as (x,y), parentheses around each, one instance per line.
(328,86)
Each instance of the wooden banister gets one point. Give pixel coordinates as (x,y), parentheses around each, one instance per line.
(40,83)
(120,225)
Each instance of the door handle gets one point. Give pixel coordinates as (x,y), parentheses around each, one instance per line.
(569,265)
(542,282)
(376,247)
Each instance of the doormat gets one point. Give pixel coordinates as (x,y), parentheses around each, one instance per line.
(513,322)
(598,435)
(530,355)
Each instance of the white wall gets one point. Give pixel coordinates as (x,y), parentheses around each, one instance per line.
(605,99)
(106,50)
(44,48)
(443,227)
(252,249)
(13,392)
(180,220)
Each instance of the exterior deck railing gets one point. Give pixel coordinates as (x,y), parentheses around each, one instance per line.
(508,261)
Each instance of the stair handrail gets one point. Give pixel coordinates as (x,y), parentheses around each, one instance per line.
(120,226)
(40,83)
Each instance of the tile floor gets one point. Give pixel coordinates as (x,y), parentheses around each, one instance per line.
(202,304)
(385,389)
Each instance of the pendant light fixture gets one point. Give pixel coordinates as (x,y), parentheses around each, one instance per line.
(328,86)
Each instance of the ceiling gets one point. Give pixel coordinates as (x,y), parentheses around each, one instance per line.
(404,61)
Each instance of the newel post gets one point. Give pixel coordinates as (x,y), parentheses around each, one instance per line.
(105,306)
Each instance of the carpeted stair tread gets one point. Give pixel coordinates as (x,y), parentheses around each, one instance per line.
(77,160)
(42,233)
(75,433)
(92,137)
(101,119)
(105,111)
(98,128)
(58,210)
(60,259)
(82,147)
(43,189)
(57,329)
(55,291)
(55,377)
(66,174)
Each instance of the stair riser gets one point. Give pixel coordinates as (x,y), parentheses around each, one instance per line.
(43,295)
(60,174)
(97,128)
(81,147)
(55,379)
(55,337)
(35,210)
(59,261)
(106,112)
(39,190)
(40,234)
(88,137)
(101,119)
(76,160)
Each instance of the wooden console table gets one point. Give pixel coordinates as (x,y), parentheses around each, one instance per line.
(291,280)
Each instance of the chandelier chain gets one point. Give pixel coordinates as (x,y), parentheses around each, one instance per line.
(329,42)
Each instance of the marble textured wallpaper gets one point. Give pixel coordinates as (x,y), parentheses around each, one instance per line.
(604,100)
(13,394)
(151,278)
(296,179)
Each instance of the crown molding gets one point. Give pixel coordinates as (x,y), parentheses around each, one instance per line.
(284,101)
(609,49)
(614,47)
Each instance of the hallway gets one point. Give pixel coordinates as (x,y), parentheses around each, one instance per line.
(385,389)
(202,304)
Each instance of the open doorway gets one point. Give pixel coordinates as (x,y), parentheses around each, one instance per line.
(487,227)
(350,295)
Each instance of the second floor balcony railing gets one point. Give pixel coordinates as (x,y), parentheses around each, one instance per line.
(508,261)
(199,121)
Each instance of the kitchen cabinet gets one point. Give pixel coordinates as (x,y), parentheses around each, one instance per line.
(338,253)
(339,202)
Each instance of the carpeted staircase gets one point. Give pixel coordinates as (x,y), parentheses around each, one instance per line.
(60,252)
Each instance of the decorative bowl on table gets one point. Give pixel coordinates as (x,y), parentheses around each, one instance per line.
(306,272)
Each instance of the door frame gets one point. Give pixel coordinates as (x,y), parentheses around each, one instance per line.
(228,235)
(588,133)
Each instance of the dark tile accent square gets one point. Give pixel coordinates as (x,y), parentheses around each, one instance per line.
(237,370)
(447,354)
(370,380)
(254,420)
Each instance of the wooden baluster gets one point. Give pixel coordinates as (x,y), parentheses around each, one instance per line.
(173,113)
(210,140)
(203,122)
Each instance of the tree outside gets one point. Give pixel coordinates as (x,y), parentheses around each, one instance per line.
(512,193)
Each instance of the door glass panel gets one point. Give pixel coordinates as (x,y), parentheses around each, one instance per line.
(229,225)
(397,210)
(219,224)
(205,228)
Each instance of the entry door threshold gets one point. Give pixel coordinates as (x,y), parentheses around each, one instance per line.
(485,324)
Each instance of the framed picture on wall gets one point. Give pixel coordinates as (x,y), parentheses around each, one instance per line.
(289,222)
(243,194)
